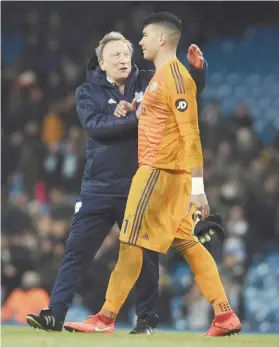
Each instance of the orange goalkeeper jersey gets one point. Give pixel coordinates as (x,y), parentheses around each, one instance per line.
(168,127)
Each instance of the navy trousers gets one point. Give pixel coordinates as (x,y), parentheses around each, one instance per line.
(92,221)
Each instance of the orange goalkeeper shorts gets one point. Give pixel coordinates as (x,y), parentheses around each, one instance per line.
(155,213)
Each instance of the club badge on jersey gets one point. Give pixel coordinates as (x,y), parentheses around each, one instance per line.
(153,86)
(139,96)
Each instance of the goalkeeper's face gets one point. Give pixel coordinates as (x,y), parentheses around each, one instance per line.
(150,42)
(116,61)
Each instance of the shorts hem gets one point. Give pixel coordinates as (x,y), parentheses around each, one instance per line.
(145,245)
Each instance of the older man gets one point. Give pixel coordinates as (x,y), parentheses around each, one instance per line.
(111,163)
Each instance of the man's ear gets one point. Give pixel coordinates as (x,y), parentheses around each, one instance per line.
(101,63)
(162,39)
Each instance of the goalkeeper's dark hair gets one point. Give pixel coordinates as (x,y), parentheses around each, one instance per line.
(164,18)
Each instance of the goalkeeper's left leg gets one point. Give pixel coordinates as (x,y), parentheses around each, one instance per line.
(208,280)
(206,274)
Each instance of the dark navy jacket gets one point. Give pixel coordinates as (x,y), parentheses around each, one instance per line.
(111,155)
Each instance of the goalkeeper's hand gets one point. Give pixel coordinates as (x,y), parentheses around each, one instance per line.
(205,229)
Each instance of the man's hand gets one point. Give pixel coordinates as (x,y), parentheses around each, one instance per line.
(124,106)
(120,110)
(201,203)
(195,56)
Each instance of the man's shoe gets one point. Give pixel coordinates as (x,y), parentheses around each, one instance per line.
(94,324)
(146,324)
(225,327)
(44,321)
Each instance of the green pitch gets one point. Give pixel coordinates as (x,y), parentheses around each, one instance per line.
(27,337)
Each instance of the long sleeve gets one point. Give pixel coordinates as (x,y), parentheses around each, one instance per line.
(199,76)
(97,124)
(184,107)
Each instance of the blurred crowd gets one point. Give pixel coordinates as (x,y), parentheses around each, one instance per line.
(44,57)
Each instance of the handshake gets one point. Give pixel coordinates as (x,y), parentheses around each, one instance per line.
(205,229)
(124,107)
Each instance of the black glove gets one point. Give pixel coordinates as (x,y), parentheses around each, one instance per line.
(204,229)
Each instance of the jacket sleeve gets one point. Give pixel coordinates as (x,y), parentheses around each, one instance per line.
(199,76)
(98,124)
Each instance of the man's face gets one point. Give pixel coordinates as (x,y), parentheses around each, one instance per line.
(150,42)
(116,60)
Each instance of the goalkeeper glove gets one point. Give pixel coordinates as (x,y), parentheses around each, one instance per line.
(205,229)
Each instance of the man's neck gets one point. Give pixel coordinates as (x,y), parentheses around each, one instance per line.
(163,57)
(119,83)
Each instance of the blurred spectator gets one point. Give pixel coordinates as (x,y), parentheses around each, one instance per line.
(242,118)
(71,168)
(262,207)
(52,129)
(59,205)
(29,297)
(52,165)
(30,162)
(198,310)
(213,128)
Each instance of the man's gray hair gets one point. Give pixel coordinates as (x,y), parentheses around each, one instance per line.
(112,36)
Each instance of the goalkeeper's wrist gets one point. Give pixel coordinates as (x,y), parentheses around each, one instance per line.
(197,186)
